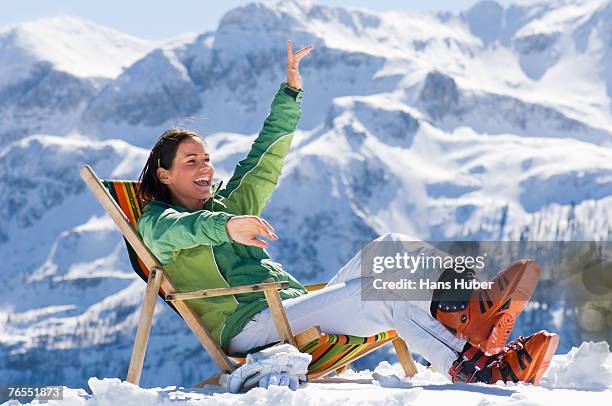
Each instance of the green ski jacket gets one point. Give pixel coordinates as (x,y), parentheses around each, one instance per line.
(194,247)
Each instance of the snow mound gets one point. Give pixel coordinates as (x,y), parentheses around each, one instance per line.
(582,375)
(586,367)
(113,391)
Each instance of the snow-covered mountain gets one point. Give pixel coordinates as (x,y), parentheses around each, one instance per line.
(494,124)
(51,68)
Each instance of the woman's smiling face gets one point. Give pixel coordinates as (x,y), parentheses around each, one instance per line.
(190,178)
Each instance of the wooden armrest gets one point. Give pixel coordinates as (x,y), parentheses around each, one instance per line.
(199,294)
(307,336)
(316,286)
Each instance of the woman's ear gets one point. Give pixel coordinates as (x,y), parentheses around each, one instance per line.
(163,175)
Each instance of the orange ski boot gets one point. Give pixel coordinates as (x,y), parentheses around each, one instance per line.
(485,316)
(525,359)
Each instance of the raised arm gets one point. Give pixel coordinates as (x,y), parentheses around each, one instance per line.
(256,176)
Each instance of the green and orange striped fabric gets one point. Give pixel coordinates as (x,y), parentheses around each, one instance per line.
(332,350)
(125,193)
(328,351)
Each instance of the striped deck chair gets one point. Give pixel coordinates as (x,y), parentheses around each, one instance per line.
(330,352)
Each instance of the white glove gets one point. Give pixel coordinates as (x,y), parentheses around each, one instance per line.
(280,379)
(281,365)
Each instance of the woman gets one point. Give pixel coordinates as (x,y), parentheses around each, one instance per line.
(208,238)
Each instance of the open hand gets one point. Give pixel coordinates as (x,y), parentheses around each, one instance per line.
(245,229)
(293,64)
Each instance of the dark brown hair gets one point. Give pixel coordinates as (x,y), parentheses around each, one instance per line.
(162,155)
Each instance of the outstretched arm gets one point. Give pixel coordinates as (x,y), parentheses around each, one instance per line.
(166,231)
(256,176)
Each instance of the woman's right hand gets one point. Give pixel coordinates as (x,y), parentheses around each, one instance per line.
(293,64)
(245,229)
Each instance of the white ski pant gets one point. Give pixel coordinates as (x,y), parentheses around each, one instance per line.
(338,308)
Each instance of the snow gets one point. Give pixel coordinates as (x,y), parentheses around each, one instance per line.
(586,367)
(562,17)
(456,135)
(583,375)
(71,44)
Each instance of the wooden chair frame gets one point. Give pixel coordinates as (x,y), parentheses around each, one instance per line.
(158,279)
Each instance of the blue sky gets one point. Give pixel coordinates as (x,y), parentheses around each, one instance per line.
(159,19)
